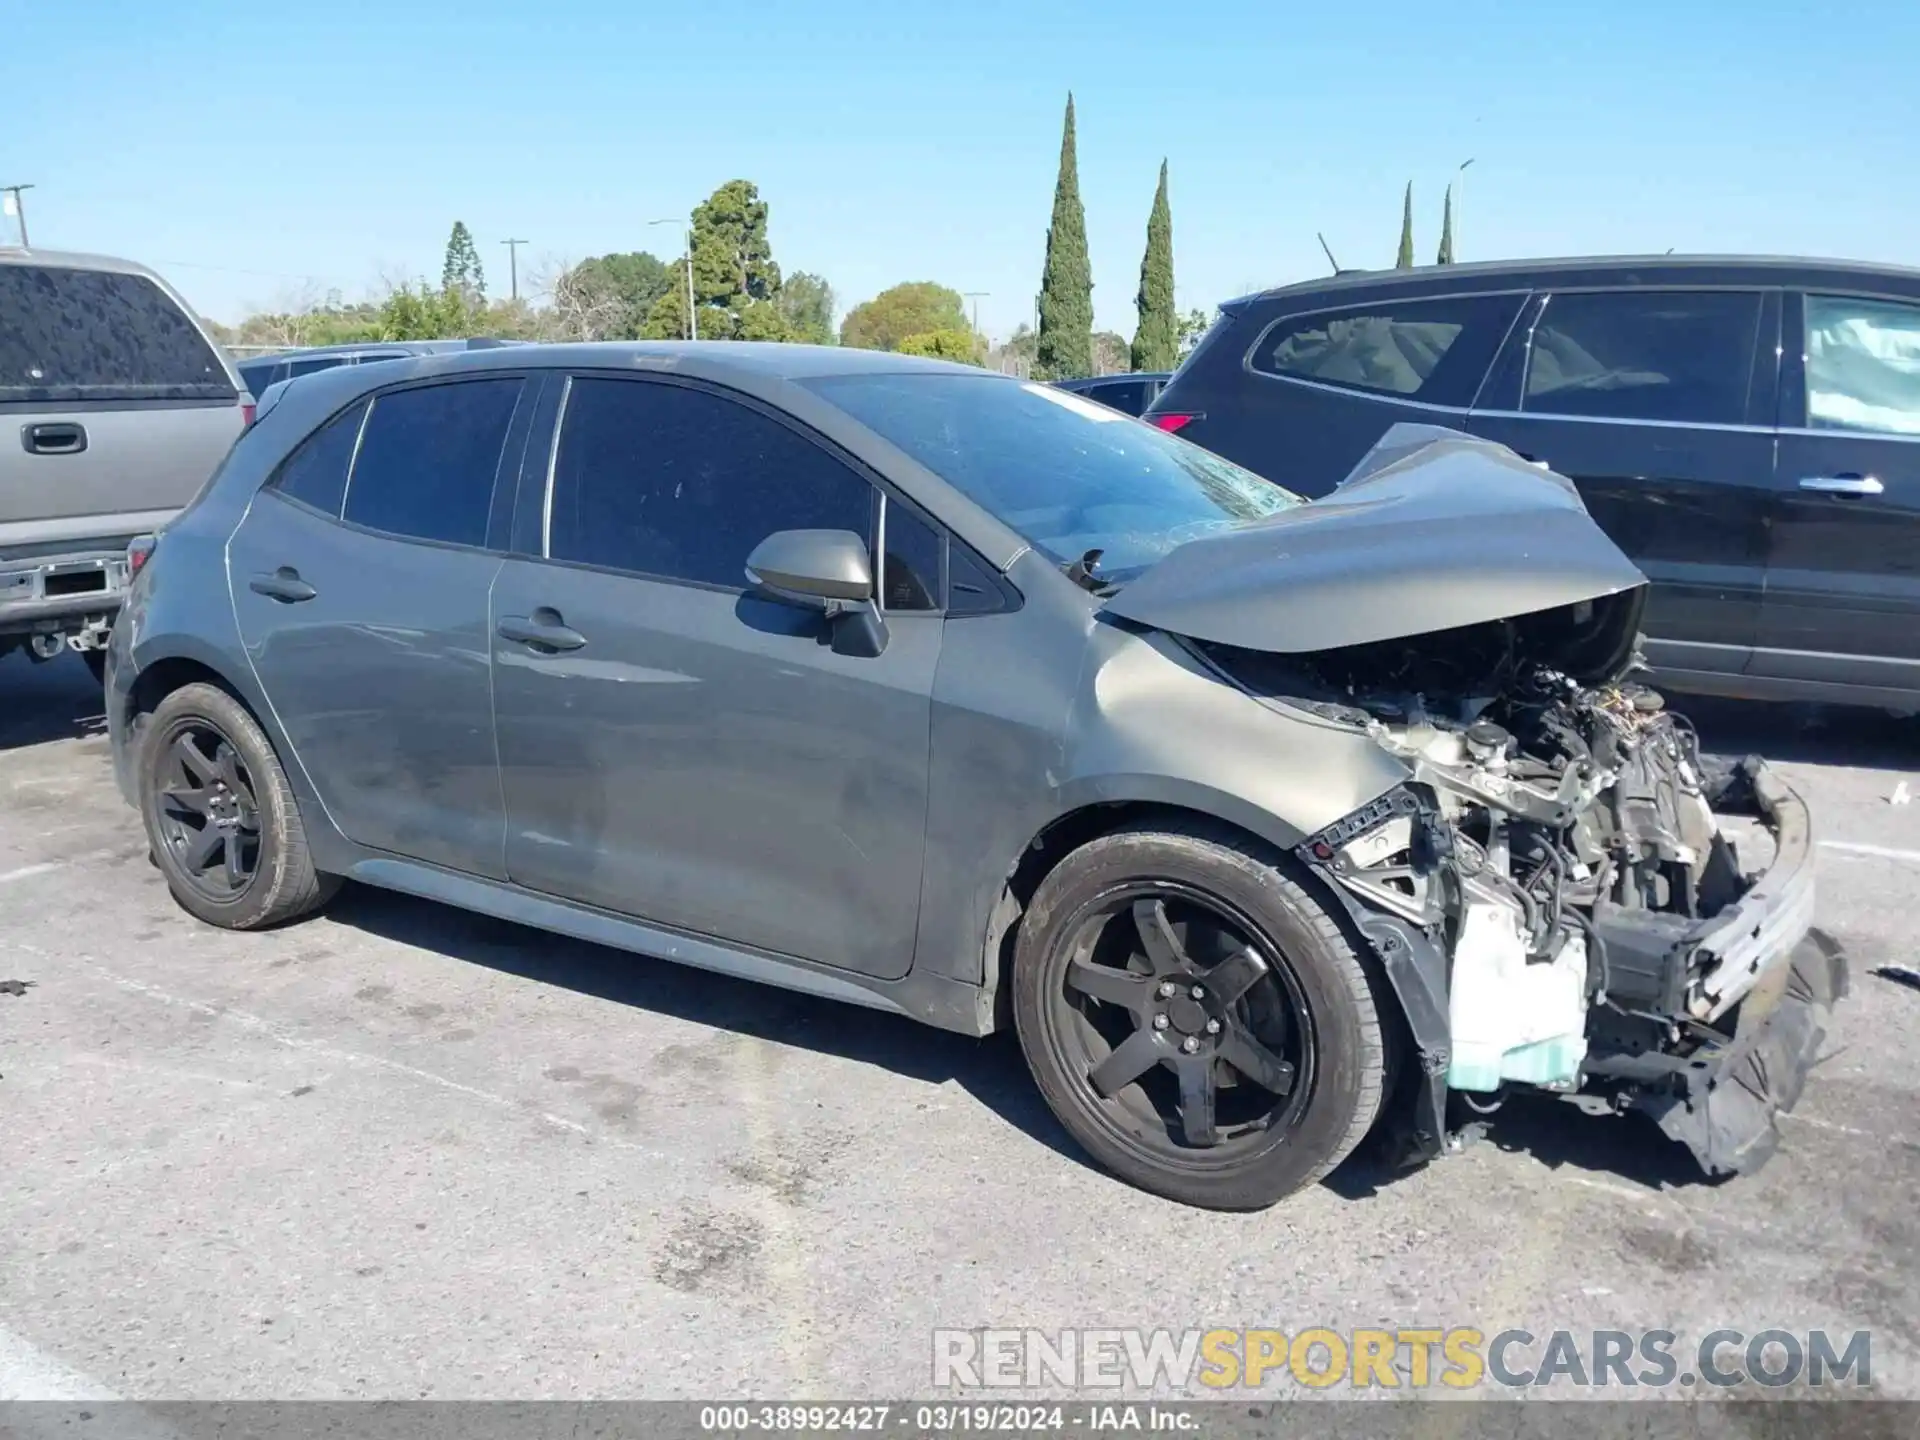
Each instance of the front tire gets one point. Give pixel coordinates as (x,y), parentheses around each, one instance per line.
(221,820)
(1196,1018)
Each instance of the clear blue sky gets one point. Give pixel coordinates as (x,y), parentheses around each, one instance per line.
(241,147)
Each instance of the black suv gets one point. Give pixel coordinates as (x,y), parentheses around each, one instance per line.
(1748,430)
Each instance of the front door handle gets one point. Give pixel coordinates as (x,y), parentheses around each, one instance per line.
(58,437)
(1845,485)
(543,631)
(284,585)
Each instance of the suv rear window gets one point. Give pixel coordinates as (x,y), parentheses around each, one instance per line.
(99,335)
(1433,350)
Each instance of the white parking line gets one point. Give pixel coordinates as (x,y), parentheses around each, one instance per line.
(1885,852)
(29,1373)
(27,872)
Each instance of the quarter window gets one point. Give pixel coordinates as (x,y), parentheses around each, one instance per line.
(914,555)
(428,459)
(1435,351)
(672,481)
(316,473)
(1863,365)
(1644,355)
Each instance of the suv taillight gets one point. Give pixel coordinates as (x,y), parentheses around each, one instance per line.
(1173,421)
(246,414)
(139,551)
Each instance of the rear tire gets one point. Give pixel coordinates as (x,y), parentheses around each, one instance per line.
(221,820)
(1252,1010)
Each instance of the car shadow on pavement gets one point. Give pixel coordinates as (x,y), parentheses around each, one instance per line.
(55,700)
(990,1070)
(1627,1148)
(1803,734)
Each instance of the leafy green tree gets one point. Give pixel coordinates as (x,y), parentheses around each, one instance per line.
(1193,325)
(732,258)
(918,307)
(1446,231)
(1110,353)
(461,274)
(735,279)
(960,345)
(423,314)
(1405,260)
(627,284)
(807,303)
(1156,341)
(667,318)
(1066,283)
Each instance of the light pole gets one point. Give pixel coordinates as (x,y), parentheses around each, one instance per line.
(18,208)
(977,296)
(1459,198)
(513,264)
(693,325)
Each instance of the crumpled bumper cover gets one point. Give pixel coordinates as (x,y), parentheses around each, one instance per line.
(1723,1100)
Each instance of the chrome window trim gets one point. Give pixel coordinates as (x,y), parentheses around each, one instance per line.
(1472,413)
(553,465)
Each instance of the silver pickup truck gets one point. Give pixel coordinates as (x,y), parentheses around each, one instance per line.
(115,408)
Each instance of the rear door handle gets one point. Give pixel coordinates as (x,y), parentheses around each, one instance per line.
(59,437)
(284,585)
(543,631)
(1843,485)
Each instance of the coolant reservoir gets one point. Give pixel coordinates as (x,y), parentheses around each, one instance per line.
(1515,1020)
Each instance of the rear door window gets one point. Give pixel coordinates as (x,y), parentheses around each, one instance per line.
(1434,350)
(428,460)
(320,362)
(97,335)
(1681,356)
(316,473)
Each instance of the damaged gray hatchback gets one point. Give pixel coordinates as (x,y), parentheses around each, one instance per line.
(1262,823)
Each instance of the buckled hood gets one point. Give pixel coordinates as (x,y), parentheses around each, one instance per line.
(1433,530)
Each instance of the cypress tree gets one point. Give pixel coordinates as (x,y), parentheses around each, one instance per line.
(1156,342)
(1405,260)
(1446,231)
(1065,348)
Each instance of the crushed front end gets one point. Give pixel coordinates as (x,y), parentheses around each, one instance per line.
(1565,893)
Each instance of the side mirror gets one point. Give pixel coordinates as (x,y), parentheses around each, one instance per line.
(827,565)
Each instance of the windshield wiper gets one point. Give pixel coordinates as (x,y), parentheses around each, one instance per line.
(1081,573)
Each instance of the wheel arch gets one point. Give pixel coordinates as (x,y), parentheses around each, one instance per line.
(1086,814)
(162,668)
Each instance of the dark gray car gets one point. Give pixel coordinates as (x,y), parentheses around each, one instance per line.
(971,699)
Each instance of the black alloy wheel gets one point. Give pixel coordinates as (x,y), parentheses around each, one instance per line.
(209,818)
(1192,1033)
(222,822)
(1196,1017)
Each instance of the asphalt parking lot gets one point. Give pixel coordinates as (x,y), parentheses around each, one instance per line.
(402,1151)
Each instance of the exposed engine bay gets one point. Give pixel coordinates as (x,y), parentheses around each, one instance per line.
(1552,890)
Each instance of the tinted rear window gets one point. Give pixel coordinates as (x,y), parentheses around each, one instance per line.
(1432,350)
(93,335)
(428,458)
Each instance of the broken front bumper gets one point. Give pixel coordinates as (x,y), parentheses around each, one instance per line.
(1721,1098)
